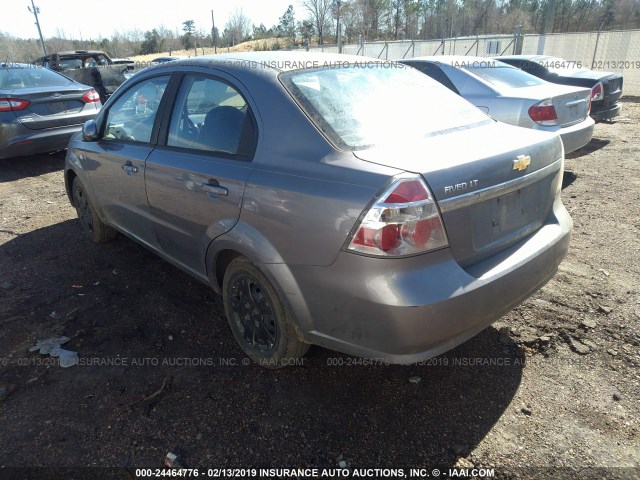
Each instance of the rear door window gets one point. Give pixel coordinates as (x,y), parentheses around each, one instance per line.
(211,115)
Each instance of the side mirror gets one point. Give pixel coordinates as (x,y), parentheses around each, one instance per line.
(90,131)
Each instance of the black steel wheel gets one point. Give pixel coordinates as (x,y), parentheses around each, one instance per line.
(92,226)
(259,320)
(253,314)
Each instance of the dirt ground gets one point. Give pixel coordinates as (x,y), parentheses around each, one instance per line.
(550,391)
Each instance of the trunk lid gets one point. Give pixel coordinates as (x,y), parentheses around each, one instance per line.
(611,83)
(571,103)
(53,107)
(572,107)
(494,183)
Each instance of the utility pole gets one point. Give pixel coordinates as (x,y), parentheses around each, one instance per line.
(36,11)
(213,34)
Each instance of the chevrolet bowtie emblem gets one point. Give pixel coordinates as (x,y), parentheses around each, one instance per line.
(521,162)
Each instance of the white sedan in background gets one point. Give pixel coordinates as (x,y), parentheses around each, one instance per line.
(515,97)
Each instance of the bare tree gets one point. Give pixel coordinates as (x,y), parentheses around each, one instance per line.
(349,19)
(371,15)
(170,38)
(320,11)
(238,27)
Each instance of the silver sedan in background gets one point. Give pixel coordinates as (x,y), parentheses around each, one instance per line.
(40,109)
(330,199)
(512,96)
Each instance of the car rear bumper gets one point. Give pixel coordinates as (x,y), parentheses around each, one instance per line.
(605,112)
(407,310)
(21,141)
(577,136)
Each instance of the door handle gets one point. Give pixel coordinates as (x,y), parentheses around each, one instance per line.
(215,189)
(129,168)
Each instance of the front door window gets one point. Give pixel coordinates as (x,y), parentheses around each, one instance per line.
(132,116)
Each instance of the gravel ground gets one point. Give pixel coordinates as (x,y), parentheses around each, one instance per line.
(550,391)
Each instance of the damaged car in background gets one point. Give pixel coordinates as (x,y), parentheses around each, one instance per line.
(333,200)
(91,67)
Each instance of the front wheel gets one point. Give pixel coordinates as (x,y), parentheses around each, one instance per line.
(93,227)
(260,322)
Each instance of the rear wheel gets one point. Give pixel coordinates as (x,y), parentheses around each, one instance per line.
(93,227)
(260,322)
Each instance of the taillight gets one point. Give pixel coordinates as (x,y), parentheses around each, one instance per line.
(13,104)
(91,97)
(544,113)
(597,92)
(404,220)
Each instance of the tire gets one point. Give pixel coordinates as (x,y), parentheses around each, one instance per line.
(260,322)
(93,227)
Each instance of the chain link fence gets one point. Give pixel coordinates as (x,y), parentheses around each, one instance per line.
(617,51)
(480,46)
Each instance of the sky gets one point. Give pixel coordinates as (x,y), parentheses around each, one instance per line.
(92,20)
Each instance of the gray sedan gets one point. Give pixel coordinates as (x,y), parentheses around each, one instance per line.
(515,97)
(40,110)
(330,200)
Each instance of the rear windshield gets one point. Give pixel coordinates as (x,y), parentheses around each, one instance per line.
(359,106)
(502,75)
(28,77)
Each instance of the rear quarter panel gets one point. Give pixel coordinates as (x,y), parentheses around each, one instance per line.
(304,195)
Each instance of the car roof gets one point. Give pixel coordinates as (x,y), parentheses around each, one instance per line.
(246,65)
(524,57)
(80,52)
(455,60)
(276,61)
(72,53)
